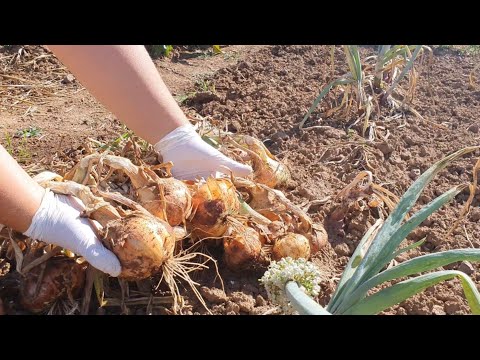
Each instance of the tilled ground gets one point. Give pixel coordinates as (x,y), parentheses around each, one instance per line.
(265,91)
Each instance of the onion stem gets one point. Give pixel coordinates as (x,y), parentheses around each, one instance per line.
(301,302)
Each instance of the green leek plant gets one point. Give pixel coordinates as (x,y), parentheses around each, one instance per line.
(292,283)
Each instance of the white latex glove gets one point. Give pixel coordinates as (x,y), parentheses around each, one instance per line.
(193,158)
(58,222)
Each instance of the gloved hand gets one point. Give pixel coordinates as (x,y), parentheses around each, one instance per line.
(192,157)
(58,222)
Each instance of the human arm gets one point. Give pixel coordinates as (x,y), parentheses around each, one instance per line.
(125,80)
(55,219)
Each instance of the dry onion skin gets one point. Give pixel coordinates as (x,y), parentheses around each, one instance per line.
(318,239)
(173,202)
(167,198)
(266,200)
(291,245)
(267,169)
(243,248)
(62,278)
(213,203)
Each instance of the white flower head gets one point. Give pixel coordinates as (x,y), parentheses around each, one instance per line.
(279,273)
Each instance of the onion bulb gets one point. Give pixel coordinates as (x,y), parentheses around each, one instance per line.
(62,278)
(170,200)
(213,202)
(318,238)
(142,244)
(242,246)
(141,241)
(291,245)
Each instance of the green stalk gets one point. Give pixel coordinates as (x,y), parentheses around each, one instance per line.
(377,82)
(413,266)
(405,70)
(382,247)
(399,292)
(211,141)
(397,50)
(301,302)
(408,248)
(354,261)
(247,210)
(325,90)
(355,65)
(394,241)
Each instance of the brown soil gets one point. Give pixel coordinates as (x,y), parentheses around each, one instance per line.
(265,91)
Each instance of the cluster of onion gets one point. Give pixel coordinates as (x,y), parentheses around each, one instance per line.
(143,243)
(254,222)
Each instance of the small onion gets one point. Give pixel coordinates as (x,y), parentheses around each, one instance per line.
(243,247)
(62,278)
(291,245)
(318,238)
